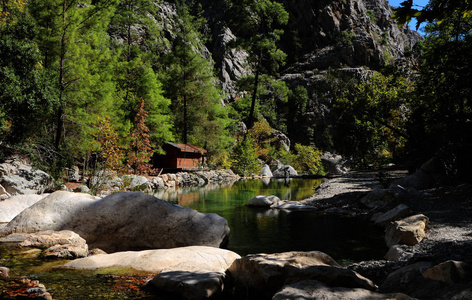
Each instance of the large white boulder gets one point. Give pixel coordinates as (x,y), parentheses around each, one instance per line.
(12,206)
(122,221)
(263,201)
(195,272)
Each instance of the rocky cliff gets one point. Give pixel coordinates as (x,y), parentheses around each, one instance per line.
(351,36)
(324,34)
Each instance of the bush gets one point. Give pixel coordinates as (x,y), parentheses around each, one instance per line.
(308,160)
(244,158)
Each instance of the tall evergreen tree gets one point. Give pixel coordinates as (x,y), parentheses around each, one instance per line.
(199,117)
(135,35)
(74,43)
(258,23)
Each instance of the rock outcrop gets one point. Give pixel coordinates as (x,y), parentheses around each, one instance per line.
(122,221)
(18,177)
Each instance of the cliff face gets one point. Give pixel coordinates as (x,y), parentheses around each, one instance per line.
(345,33)
(321,35)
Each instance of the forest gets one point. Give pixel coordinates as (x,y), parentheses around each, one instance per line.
(103,84)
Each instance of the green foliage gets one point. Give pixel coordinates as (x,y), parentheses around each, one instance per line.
(372,16)
(261,19)
(442,109)
(244,158)
(308,160)
(372,119)
(346,38)
(28,94)
(435,11)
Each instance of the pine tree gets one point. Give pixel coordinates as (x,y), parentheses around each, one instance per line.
(199,117)
(257,21)
(74,43)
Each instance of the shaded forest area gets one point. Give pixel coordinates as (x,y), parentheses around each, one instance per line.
(103,84)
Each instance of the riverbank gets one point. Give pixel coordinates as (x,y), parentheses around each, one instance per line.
(448,236)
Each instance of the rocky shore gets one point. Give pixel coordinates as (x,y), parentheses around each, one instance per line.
(448,235)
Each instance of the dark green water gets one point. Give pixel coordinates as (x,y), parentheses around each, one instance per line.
(259,230)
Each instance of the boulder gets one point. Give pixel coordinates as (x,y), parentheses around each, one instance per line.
(18,177)
(450,272)
(262,275)
(292,205)
(398,253)
(46,239)
(378,198)
(399,212)
(284,171)
(53,212)
(195,272)
(12,206)
(117,222)
(312,289)
(409,231)
(427,176)
(263,201)
(409,280)
(82,189)
(334,164)
(266,172)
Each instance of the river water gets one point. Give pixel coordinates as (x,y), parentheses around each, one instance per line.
(260,230)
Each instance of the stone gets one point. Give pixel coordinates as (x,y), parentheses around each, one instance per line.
(66,251)
(117,222)
(262,275)
(285,171)
(12,206)
(18,177)
(398,253)
(46,239)
(312,289)
(195,272)
(334,164)
(50,213)
(266,172)
(263,201)
(427,176)
(74,174)
(409,280)
(292,205)
(399,212)
(82,189)
(378,198)
(409,231)
(450,272)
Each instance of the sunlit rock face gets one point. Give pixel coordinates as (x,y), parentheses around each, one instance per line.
(122,221)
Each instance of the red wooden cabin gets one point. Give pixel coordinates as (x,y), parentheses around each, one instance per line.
(179,157)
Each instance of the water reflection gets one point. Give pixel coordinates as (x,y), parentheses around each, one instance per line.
(258,230)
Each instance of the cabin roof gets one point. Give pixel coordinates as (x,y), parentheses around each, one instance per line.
(188,148)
